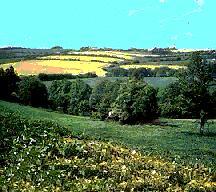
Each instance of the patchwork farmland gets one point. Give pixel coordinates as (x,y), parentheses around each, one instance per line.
(79,62)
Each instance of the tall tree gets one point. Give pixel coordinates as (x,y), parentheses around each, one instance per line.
(195,82)
(8,82)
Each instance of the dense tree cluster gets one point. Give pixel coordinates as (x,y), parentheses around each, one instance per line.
(129,102)
(103,95)
(70,97)
(141,72)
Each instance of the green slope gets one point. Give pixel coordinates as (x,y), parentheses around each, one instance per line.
(177,140)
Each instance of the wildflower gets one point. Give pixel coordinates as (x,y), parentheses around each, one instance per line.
(133,152)
(124,167)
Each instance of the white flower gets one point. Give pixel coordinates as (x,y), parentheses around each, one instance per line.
(133,152)
(124,167)
(153,172)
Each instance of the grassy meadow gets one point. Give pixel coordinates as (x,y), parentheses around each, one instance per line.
(174,140)
(47,156)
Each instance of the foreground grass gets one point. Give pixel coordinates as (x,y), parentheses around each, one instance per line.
(177,140)
(41,155)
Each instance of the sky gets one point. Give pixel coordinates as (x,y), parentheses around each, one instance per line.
(108,23)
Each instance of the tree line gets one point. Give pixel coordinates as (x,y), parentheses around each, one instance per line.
(129,101)
(141,72)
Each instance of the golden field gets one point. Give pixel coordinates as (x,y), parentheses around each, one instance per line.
(83,58)
(34,67)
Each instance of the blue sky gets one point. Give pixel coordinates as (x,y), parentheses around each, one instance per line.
(108,23)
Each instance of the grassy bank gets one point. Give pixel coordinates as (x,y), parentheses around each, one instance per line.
(177,140)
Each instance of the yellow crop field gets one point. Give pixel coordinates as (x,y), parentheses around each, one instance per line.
(152,66)
(34,67)
(118,54)
(131,54)
(83,58)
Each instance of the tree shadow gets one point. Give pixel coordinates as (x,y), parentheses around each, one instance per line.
(205,134)
(164,123)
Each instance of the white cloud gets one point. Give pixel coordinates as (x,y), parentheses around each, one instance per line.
(174,37)
(162,1)
(189,34)
(134,12)
(200,3)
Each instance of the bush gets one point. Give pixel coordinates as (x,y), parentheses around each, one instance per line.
(116,72)
(70,97)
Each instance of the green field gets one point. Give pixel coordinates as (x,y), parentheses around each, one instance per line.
(176,140)
(156,82)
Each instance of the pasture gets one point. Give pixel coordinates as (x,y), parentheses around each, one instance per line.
(174,140)
(47,156)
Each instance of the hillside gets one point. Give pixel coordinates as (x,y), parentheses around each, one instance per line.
(46,157)
(167,139)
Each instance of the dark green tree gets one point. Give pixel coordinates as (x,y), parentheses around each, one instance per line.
(79,98)
(140,73)
(8,83)
(195,82)
(33,92)
(172,102)
(190,96)
(60,95)
(103,95)
(136,103)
